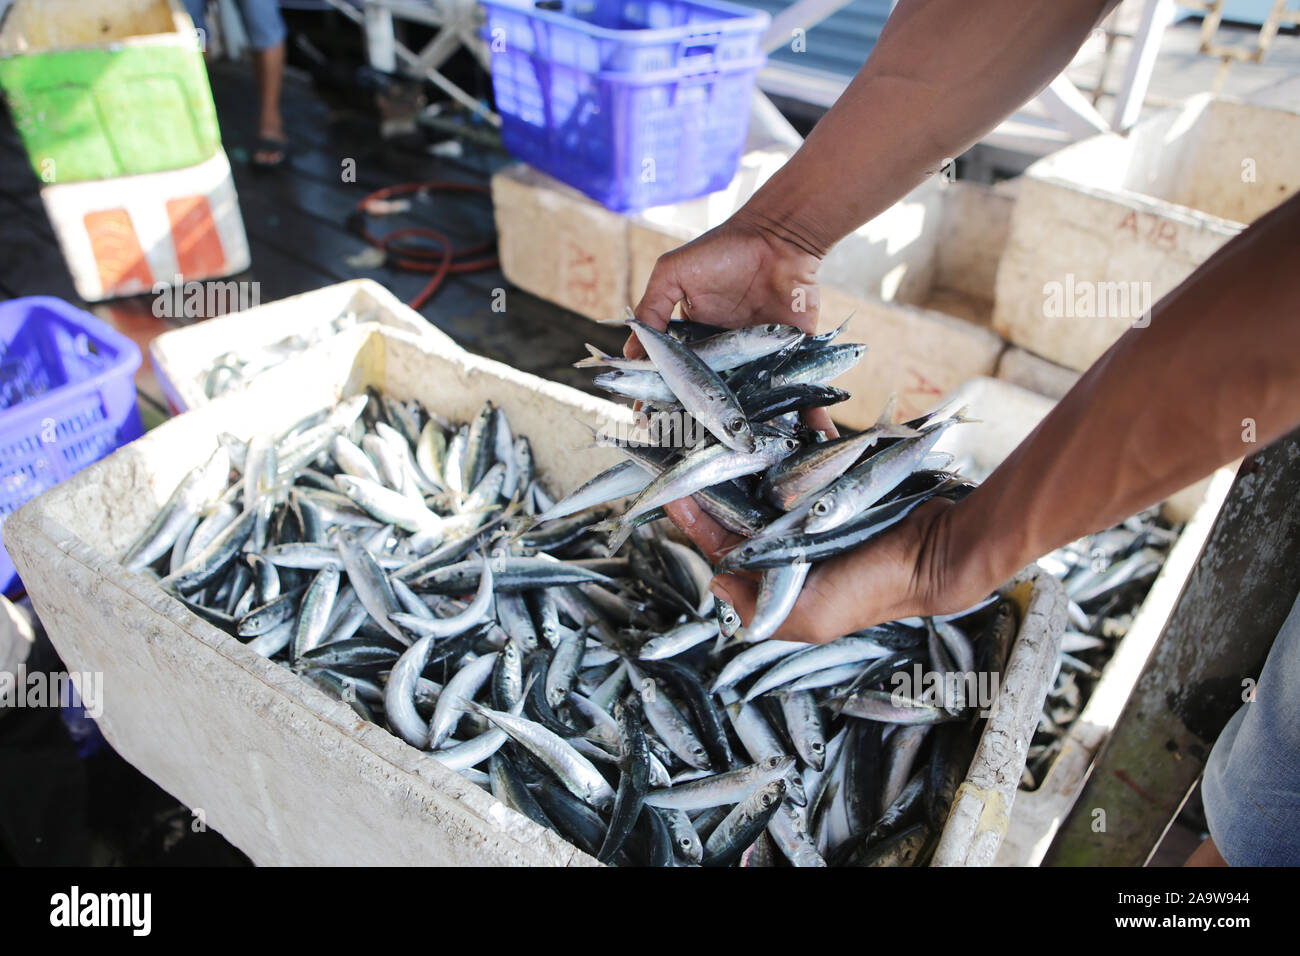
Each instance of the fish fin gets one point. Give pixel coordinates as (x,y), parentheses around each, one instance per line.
(899,431)
(598,438)
(942,419)
(887,413)
(619,537)
(595,359)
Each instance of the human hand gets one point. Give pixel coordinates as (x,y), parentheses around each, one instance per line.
(916,568)
(735,275)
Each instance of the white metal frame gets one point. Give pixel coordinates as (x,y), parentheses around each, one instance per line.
(457,27)
(1072,115)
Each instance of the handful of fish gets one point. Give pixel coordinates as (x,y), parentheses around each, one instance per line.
(418,570)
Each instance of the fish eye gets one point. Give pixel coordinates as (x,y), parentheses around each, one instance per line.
(737,424)
(791,444)
(820,508)
(818,746)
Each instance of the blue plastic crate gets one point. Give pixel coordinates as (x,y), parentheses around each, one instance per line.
(636,104)
(67,399)
(628,142)
(628,36)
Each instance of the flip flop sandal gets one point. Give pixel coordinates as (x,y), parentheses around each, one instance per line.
(265,145)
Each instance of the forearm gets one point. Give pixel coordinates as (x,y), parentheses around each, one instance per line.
(943,74)
(1165,406)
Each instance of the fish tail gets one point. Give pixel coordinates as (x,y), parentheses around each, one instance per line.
(595,359)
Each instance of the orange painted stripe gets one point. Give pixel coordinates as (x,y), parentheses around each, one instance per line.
(194,234)
(122,267)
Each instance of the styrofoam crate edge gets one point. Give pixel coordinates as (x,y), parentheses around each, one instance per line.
(182,357)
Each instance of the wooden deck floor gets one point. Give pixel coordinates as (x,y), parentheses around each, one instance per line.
(295,220)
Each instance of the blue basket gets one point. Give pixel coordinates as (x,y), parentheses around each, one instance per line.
(626,36)
(67,399)
(631,116)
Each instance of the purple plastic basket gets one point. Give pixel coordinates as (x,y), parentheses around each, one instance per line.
(632,117)
(629,142)
(67,399)
(626,36)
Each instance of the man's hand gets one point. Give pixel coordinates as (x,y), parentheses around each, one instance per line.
(735,275)
(909,570)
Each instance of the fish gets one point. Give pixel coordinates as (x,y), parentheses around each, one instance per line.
(701,391)
(743,824)
(418,569)
(721,789)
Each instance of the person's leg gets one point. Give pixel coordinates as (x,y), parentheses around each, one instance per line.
(266,35)
(1251,787)
(270,124)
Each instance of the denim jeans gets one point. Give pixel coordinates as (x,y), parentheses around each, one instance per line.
(261,18)
(1251,788)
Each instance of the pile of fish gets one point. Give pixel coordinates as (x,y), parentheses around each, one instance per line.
(232,370)
(1107,576)
(419,571)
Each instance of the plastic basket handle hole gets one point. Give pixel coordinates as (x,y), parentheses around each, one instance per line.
(699,49)
(549,4)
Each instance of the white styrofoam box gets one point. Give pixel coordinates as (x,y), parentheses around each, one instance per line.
(1035,373)
(938,246)
(289,775)
(983,810)
(892,257)
(560,245)
(661,229)
(183,358)
(916,353)
(1007,414)
(127,235)
(1105,227)
(1040,812)
(569,249)
(972,237)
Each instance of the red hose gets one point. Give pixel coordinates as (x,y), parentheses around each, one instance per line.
(442,258)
